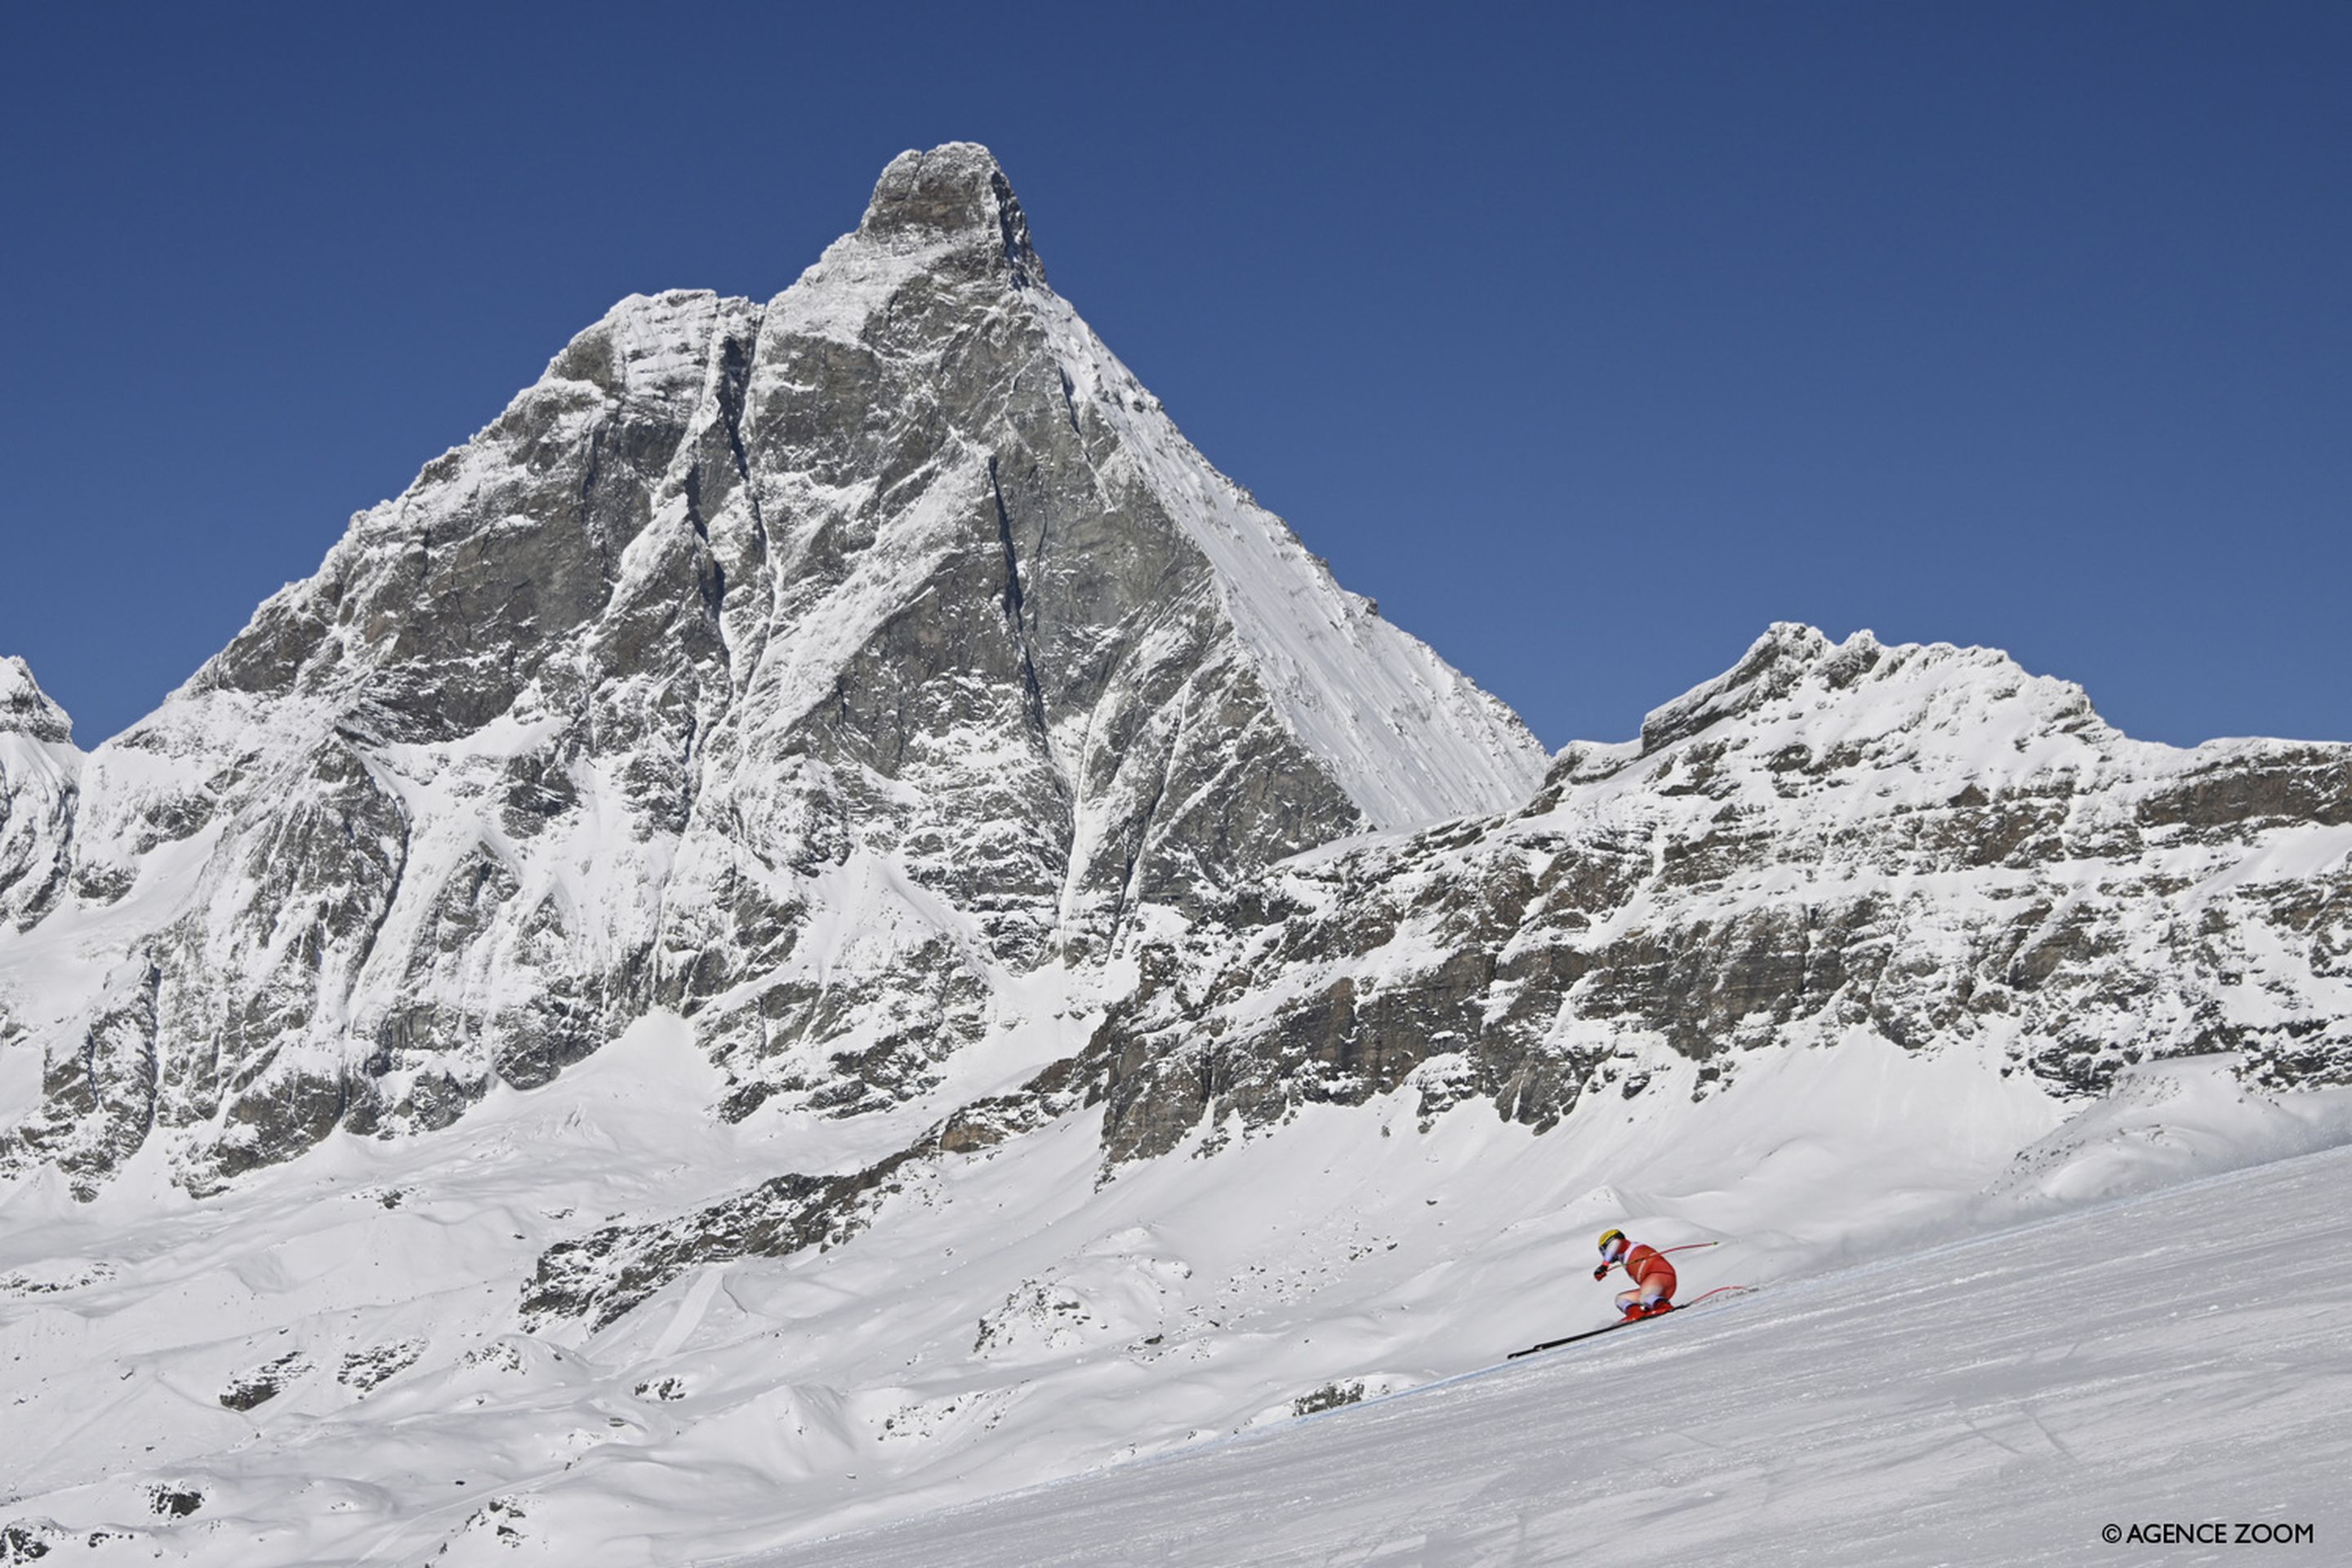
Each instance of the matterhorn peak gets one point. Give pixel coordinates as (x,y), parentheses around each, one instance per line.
(892,609)
(955,192)
(830,833)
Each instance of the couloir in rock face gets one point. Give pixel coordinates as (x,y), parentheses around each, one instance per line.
(808,668)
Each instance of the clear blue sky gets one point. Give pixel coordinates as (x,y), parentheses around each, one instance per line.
(1588,340)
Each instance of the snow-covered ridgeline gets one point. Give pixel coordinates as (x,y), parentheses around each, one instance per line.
(1925,842)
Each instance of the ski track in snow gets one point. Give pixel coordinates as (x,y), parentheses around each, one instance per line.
(2183,1357)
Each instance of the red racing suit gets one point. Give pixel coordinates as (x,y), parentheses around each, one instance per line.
(1648,1271)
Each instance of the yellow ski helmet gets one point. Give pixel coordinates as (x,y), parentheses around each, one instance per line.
(1609,1236)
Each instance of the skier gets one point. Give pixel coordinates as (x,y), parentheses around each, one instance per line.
(1653,1276)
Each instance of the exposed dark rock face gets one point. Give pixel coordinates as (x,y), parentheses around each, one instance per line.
(174,1502)
(370,1369)
(266,1383)
(807,667)
(30,1540)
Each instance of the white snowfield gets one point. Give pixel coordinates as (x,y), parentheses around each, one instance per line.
(323,1364)
(2176,1367)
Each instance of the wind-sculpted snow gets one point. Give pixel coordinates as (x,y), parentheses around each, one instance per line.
(335,1357)
(812,668)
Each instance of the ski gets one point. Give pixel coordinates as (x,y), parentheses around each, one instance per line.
(1589,1334)
(1628,1323)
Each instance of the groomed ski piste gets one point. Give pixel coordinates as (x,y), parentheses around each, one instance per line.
(2174,1369)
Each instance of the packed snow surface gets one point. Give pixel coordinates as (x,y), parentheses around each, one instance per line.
(2183,1359)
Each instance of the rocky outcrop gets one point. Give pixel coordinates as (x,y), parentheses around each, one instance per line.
(808,668)
(602,1275)
(40,786)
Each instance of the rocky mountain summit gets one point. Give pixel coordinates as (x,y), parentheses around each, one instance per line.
(807,669)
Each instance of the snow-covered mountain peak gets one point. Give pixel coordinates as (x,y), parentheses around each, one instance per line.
(1793,684)
(956,196)
(25,710)
(1772,664)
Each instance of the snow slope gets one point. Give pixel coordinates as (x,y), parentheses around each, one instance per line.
(324,1364)
(1410,738)
(2183,1358)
